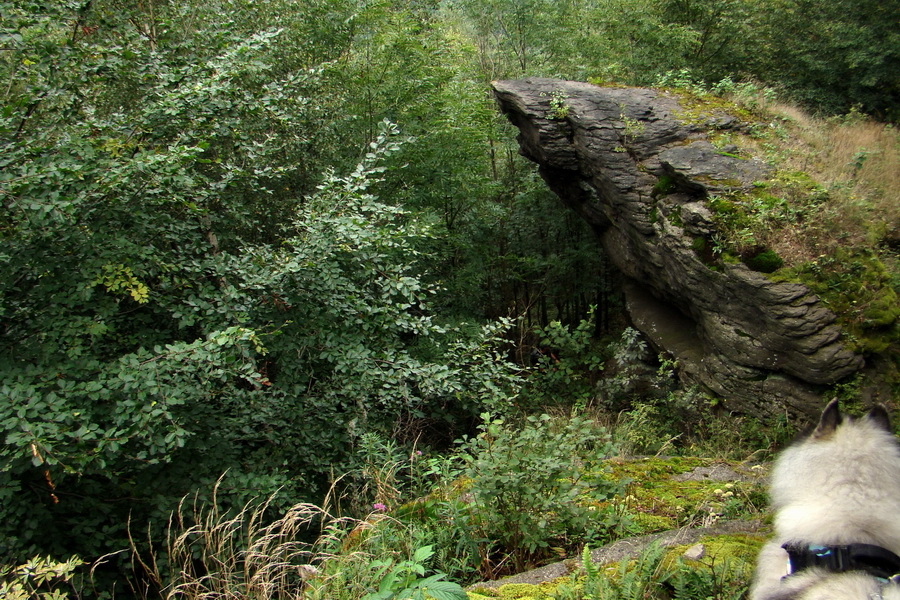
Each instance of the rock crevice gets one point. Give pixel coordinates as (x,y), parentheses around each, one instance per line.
(763,345)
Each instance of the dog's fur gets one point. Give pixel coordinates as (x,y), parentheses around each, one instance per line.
(841,485)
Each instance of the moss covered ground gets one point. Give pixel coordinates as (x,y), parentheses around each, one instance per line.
(666,493)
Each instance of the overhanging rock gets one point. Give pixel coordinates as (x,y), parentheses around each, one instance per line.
(764,346)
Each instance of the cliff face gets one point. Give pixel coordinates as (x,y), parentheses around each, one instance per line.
(637,166)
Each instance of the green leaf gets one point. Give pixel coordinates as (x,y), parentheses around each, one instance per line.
(444,590)
(422,554)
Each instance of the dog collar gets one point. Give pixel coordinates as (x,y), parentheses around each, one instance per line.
(874,560)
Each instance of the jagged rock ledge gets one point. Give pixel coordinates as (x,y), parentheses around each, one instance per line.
(764,346)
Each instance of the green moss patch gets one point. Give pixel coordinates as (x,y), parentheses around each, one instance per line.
(517,591)
(736,547)
(860,290)
(664,186)
(763,260)
(656,499)
(706,109)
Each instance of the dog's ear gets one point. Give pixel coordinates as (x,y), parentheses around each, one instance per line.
(829,421)
(879,416)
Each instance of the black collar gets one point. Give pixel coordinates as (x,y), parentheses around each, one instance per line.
(874,560)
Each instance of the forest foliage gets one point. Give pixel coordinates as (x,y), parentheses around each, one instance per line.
(239,237)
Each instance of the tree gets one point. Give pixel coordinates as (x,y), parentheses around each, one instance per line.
(832,55)
(719,31)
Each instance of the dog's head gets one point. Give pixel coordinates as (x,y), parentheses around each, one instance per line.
(836,495)
(840,483)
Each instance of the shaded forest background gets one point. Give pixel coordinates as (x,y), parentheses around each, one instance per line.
(243,241)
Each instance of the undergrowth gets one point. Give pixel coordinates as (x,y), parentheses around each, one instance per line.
(659,573)
(209,555)
(524,491)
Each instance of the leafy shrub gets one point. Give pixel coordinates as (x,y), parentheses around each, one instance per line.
(634,378)
(568,366)
(38,579)
(176,315)
(527,479)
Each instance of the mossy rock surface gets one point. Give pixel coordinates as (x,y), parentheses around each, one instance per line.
(672,501)
(767,347)
(732,556)
(710,111)
(517,591)
(740,548)
(860,290)
(666,493)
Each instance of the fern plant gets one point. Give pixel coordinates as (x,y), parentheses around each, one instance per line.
(650,576)
(640,579)
(716,580)
(637,581)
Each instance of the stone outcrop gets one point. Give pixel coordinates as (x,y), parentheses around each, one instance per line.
(608,152)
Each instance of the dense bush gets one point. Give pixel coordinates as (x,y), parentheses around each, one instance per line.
(528,483)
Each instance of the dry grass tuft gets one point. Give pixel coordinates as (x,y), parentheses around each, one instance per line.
(306,554)
(858,162)
(211,555)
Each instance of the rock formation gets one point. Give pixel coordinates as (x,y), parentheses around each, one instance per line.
(640,168)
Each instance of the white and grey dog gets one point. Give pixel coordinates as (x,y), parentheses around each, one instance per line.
(836,498)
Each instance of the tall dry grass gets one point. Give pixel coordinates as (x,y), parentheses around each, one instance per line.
(858,160)
(855,159)
(307,554)
(211,555)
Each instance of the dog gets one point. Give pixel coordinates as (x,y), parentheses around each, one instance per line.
(836,499)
